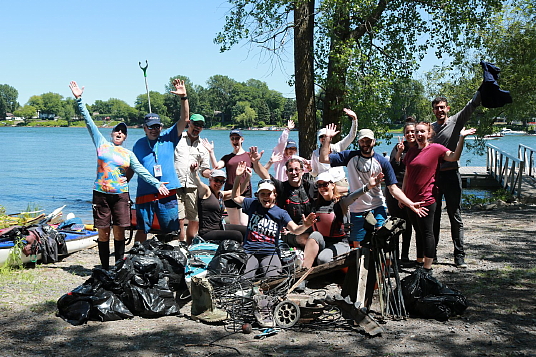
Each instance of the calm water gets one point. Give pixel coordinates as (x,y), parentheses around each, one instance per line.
(52,167)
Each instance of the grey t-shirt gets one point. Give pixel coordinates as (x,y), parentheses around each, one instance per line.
(448,133)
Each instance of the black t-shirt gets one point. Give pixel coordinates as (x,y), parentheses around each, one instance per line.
(295,200)
(210,212)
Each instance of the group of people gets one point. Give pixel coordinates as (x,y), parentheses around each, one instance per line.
(305,203)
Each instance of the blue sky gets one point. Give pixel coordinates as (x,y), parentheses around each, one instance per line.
(99,43)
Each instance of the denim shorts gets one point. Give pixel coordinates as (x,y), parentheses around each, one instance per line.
(357,233)
(165,209)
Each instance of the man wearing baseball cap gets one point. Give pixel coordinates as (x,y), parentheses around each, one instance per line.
(190,150)
(362,164)
(155,152)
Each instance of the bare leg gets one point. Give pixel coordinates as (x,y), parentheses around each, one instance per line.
(191,231)
(234,215)
(141,236)
(182,234)
(119,233)
(310,253)
(104,234)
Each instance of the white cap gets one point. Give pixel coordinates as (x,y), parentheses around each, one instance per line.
(325,176)
(322,132)
(266,186)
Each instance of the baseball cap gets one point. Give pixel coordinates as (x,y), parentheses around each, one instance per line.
(120,127)
(365,133)
(152,119)
(325,176)
(291,144)
(236,132)
(218,173)
(265,185)
(197,117)
(321,132)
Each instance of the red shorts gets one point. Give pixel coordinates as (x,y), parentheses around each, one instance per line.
(111,209)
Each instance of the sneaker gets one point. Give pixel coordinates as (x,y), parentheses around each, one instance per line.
(263,310)
(460,262)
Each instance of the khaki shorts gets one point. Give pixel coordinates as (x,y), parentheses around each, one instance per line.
(187,197)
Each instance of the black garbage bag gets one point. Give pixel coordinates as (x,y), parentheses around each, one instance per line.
(75,306)
(228,263)
(142,284)
(426,297)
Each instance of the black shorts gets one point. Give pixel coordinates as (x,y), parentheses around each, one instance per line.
(111,209)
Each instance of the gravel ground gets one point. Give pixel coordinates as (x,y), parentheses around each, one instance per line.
(499,284)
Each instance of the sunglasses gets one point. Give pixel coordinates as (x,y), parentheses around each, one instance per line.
(155,127)
(321,136)
(222,181)
(265,181)
(198,124)
(294,169)
(235,138)
(323,184)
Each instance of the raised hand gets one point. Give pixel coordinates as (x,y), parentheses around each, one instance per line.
(470,131)
(309,220)
(180,88)
(209,145)
(240,168)
(194,166)
(254,154)
(331,130)
(350,113)
(375,180)
(400,145)
(290,124)
(276,157)
(77,92)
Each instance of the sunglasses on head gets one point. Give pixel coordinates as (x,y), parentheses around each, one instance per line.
(217,180)
(155,127)
(265,181)
(323,184)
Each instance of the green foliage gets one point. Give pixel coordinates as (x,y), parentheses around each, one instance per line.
(8,99)
(27,112)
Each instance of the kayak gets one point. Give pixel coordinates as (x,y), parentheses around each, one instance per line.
(75,240)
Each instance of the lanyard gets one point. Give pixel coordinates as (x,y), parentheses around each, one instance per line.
(154,149)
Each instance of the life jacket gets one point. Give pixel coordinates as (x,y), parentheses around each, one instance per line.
(327,223)
(295,201)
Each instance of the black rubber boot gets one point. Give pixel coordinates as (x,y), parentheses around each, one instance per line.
(119,249)
(104,254)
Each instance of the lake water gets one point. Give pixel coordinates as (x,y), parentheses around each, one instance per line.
(52,167)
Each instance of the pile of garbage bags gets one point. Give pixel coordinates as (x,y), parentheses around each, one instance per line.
(426,297)
(143,284)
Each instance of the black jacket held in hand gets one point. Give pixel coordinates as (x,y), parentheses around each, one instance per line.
(492,96)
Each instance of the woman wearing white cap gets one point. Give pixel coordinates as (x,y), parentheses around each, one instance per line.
(337,172)
(210,208)
(329,238)
(110,191)
(266,220)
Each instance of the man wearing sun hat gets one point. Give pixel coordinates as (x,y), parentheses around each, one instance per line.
(156,152)
(190,150)
(362,164)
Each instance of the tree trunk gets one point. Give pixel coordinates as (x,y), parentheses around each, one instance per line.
(334,98)
(304,76)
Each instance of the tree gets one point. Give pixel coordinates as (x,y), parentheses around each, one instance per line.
(220,90)
(157,106)
(27,112)
(356,43)
(8,99)
(51,104)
